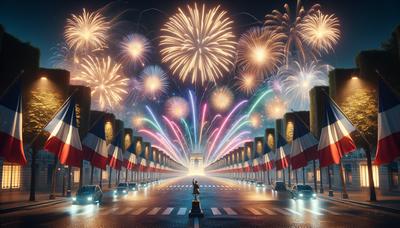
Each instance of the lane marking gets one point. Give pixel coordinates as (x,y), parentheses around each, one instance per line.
(182,211)
(293,211)
(229,211)
(196,223)
(139,211)
(311,211)
(168,211)
(281,211)
(154,211)
(254,211)
(268,211)
(109,211)
(215,211)
(329,211)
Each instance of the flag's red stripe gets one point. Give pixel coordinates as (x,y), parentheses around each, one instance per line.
(87,153)
(312,153)
(11,149)
(332,153)
(298,161)
(388,149)
(67,154)
(99,161)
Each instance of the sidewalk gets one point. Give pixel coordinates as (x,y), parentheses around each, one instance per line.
(387,202)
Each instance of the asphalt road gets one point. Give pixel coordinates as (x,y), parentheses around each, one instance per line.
(225,203)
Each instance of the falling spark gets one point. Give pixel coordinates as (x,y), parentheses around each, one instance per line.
(88,30)
(260,51)
(275,109)
(321,31)
(135,48)
(198,44)
(177,107)
(103,76)
(222,98)
(154,81)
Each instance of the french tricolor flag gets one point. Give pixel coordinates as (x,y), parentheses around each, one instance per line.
(282,159)
(129,160)
(268,161)
(388,148)
(115,152)
(335,140)
(11,145)
(142,164)
(64,139)
(304,145)
(95,146)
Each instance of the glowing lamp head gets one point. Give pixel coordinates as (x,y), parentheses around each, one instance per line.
(354,77)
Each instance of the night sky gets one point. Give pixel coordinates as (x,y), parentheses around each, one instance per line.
(364,24)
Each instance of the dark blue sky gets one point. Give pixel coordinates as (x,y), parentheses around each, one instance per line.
(365,24)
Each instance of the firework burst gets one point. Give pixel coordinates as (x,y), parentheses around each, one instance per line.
(154,81)
(290,26)
(300,79)
(177,107)
(87,31)
(255,120)
(222,98)
(275,81)
(260,51)
(138,120)
(135,48)
(321,31)
(198,44)
(276,108)
(247,82)
(103,76)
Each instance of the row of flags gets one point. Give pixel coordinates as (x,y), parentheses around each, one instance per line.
(335,139)
(64,141)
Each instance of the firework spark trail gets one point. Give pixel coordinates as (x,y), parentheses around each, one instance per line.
(234,146)
(175,133)
(202,123)
(170,150)
(232,141)
(219,154)
(194,118)
(181,134)
(188,132)
(222,127)
(211,123)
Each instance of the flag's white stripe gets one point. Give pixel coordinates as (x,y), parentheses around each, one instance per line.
(388,122)
(303,143)
(333,133)
(95,143)
(66,133)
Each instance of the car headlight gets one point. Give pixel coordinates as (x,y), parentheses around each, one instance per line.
(90,198)
(73,198)
(115,191)
(124,191)
(301,194)
(314,195)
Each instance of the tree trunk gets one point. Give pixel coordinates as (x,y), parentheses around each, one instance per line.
(32,193)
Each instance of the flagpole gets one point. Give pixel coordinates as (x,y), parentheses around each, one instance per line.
(344,190)
(367,150)
(12,83)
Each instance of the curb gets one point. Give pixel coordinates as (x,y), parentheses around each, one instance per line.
(48,202)
(358,203)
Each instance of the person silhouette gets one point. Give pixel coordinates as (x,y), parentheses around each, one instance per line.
(196,189)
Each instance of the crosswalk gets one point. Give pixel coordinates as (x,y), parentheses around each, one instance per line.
(214,211)
(203,187)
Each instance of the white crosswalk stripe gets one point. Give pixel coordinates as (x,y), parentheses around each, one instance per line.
(139,211)
(168,211)
(124,211)
(329,211)
(109,211)
(254,211)
(215,211)
(154,211)
(229,211)
(182,211)
(267,211)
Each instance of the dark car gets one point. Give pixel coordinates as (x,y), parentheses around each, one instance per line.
(260,185)
(88,194)
(303,192)
(122,189)
(143,184)
(279,186)
(132,186)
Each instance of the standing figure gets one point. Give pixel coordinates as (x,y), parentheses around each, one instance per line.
(196,189)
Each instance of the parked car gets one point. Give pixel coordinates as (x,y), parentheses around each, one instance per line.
(260,184)
(143,184)
(302,192)
(132,186)
(122,189)
(279,186)
(88,194)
